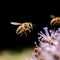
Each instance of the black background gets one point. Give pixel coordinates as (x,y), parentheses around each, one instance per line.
(36,12)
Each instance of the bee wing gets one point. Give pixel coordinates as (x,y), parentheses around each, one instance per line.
(19,30)
(52,16)
(15,23)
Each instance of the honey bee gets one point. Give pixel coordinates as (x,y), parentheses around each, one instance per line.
(55,20)
(23,27)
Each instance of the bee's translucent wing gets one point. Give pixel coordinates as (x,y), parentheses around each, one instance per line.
(15,23)
(52,16)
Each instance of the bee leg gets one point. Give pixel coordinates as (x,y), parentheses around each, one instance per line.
(25,33)
(52,22)
(21,34)
(19,30)
(58,23)
(28,29)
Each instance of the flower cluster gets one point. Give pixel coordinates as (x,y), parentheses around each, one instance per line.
(49,45)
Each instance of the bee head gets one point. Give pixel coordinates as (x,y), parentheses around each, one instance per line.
(30,25)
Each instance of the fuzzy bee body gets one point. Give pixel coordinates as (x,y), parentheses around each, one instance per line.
(23,27)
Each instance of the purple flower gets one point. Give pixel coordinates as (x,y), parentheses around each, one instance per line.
(49,45)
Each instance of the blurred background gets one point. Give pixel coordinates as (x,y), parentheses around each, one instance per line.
(11,44)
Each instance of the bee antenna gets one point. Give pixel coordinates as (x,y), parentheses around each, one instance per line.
(34,25)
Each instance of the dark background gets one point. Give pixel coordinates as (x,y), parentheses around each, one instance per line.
(36,12)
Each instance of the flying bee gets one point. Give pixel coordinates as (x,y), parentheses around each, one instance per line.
(55,20)
(23,27)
